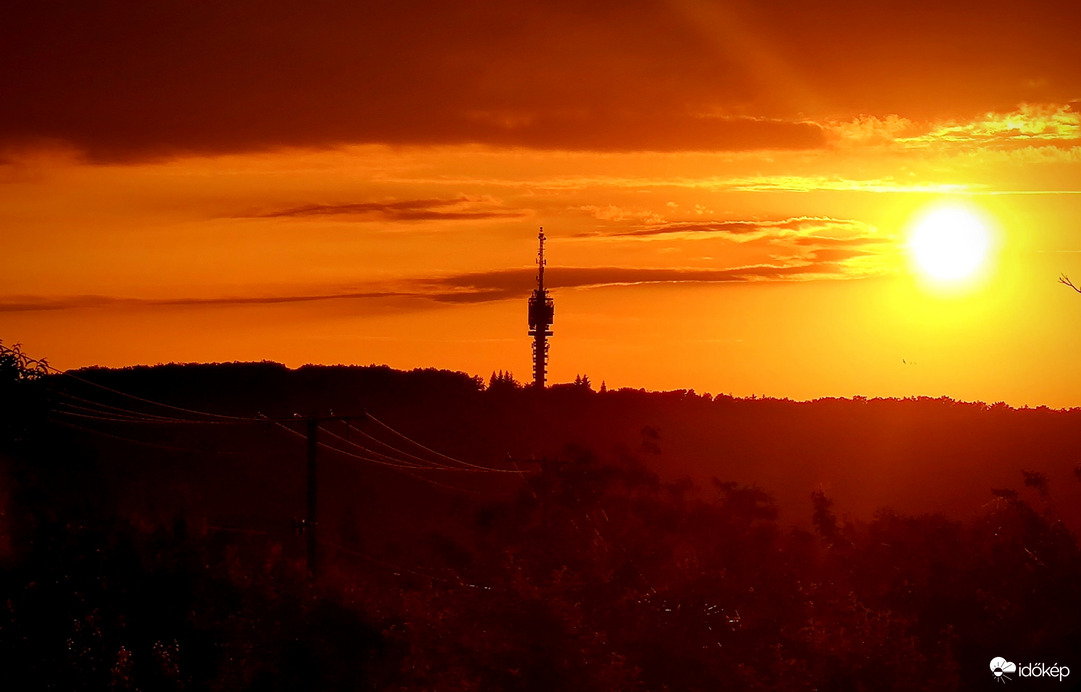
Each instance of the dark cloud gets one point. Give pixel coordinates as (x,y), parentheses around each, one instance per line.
(807,231)
(479,287)
(35,303)
(402,210)
(517,283)
(737,227)
(823,241)
(704,228)
(836,254)
(132,79)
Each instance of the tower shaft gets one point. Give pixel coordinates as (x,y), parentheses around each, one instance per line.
(541,313)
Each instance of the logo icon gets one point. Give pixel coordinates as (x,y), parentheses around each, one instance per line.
(1000,666)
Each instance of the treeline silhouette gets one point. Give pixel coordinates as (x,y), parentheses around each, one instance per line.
(614,561)
(913,455)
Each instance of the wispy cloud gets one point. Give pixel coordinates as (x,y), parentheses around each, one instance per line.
(796,183)
(401,210)
(517,283)
(800,227)
(815,246)
(44,303)
(488,286)
(1029,125)
(1039,124)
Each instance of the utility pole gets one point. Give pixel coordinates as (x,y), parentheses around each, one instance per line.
(310,523)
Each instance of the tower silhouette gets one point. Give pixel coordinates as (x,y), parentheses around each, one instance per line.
(541,311)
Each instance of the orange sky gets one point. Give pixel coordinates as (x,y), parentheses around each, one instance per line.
(726,187)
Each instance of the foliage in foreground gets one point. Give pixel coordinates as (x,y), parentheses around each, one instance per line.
(596,577)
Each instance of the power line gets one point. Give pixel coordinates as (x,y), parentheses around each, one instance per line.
(69,409)
(156,445)
(349,454)
(382,456)
(407,470)
(429,450)
(106,419)
(390,447)
(117,409)
(68,373)
(127,415)
(107,413)
(102,415)
(123,418)
(401,468)
(426,464)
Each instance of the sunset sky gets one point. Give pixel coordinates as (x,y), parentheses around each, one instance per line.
(728,189)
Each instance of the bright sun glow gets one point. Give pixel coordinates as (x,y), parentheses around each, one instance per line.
(949,244)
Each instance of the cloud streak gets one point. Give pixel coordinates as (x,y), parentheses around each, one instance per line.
(461,208)
(487,286)
(800,228)
(1030,124)
(838,247)
(49,303)
(517,283)
(1053,125)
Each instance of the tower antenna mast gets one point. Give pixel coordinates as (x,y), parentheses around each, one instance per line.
(541,312)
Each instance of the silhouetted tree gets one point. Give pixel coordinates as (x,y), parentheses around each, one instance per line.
(824,520)
(23,398)
(503,381)
(583,381)
(1037,481)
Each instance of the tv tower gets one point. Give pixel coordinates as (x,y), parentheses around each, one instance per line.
(541,310)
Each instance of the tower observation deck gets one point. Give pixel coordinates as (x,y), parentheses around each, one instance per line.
(541,311)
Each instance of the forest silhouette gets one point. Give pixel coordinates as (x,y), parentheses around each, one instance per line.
(630,540)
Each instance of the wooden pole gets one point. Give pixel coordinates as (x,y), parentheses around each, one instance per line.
(310,520)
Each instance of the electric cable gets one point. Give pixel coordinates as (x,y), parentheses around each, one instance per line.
(432,451)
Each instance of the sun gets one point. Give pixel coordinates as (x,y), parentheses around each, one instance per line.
(950,244)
